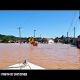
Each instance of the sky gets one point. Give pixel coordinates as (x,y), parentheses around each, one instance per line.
(47,23)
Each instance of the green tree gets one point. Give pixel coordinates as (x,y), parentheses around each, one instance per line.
(62,39)
(5,39)
(56,39)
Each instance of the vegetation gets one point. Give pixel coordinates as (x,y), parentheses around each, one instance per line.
(66,40)
(56,39)
(10,38)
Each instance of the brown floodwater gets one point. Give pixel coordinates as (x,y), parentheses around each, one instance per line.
(49,56)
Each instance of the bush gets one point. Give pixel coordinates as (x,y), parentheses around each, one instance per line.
(5,39)
(56,40)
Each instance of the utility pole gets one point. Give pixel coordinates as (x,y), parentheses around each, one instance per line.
(34,33)
(74,32)
(74,37)
(19,32)
(67,37)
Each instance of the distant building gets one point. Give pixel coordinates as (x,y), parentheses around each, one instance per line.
(50,41)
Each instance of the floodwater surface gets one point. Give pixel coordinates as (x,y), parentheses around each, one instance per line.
(49,56)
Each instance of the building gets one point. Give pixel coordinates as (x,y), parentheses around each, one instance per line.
(48,40)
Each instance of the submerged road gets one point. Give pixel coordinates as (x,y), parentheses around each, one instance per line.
(49,56)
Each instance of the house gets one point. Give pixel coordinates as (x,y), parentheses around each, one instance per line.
(48,40)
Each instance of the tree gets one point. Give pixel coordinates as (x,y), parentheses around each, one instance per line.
(5,39)
(56,39)
(62,39)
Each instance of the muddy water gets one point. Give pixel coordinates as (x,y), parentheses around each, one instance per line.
(49,56)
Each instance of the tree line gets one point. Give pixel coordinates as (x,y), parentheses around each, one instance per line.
(10,38)
(13,39)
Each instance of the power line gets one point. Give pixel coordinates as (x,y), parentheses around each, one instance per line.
(76,22)
(79,15)
(40,35)
(72,22)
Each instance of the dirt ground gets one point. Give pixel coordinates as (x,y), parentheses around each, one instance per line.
(49,56)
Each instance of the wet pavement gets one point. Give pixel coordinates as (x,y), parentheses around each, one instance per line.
(49,56)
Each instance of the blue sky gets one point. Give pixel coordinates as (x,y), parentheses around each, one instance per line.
(48,23)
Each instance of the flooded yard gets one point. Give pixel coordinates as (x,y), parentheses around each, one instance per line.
(49,56)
